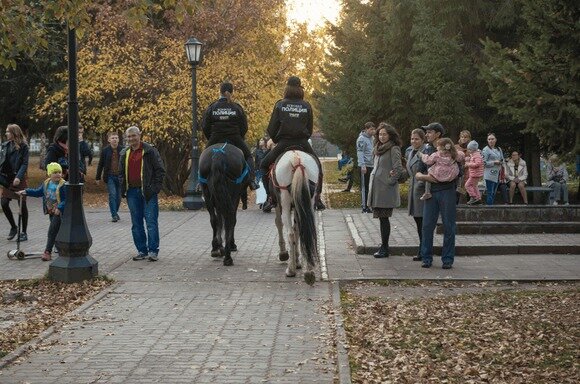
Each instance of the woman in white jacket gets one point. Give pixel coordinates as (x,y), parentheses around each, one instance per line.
(517,173)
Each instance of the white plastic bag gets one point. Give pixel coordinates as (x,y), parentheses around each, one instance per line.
(261,194)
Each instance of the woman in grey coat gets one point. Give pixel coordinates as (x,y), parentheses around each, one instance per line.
(384,185)
(493,162)
(416,187)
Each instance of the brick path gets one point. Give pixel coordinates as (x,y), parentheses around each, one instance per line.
(189,319)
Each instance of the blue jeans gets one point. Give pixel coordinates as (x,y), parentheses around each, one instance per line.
(114,189)
(491,188)
(144,211)
(443,202)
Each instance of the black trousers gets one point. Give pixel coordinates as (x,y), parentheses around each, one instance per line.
(364,180)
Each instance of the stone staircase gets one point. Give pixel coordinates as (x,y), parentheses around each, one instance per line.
(516,219)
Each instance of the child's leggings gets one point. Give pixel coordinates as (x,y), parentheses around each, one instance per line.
(471,187)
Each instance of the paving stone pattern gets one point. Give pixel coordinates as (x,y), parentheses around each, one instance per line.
(189,319)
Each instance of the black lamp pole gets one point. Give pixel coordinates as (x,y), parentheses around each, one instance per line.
(193,199)
(74,239)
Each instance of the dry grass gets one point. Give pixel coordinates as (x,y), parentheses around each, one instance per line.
(39,304)
(511,336)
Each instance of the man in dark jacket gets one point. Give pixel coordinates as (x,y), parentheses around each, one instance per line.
(225,121)
(142,172)
(290,125)
(109,168)
(443,201)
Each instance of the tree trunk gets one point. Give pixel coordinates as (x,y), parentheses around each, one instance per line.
(532,158)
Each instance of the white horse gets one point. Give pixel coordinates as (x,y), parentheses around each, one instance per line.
(294,178)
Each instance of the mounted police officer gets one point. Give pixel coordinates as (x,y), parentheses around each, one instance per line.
(290,125)
(225,121)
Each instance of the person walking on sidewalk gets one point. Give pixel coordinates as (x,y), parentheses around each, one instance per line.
(142,172)
(108,168)
(416,187)
(384,181)
(442,201)
(224,121)
(364,154)
(15,167)
(85,149)
(53,201)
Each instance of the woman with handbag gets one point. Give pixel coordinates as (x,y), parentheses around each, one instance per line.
(14,168)
(384,181)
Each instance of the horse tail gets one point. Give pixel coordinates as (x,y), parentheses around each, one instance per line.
(218,185)
(303,211)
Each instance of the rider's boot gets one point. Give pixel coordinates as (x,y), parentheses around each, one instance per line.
(252,174)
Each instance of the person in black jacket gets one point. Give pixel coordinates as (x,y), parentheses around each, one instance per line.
(290,125)
(225,121)
(142,173)
(15,166)
(84,149)
(108,168)
(57,152)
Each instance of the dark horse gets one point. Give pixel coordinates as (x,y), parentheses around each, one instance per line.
(223,175)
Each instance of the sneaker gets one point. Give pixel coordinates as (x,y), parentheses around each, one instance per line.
(471,201)
(13,232)
(23,237)
(477,202)
(140,256)
(153,256)
(46,256)
(114,219)
(426,196)
(447,266)
(426,265)
(417,258)
(555,203)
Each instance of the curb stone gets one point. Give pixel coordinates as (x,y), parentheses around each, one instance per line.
(341,340)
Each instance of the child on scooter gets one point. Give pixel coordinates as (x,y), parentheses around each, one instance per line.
(53,199)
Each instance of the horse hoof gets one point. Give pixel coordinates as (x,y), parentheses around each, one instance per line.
(228,262)
(283,256)
(290,274)
(216,253)
(309,278)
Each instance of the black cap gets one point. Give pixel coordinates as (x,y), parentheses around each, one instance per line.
(226,87)
(434,127)
(294,81)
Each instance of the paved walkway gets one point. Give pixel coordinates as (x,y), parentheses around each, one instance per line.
(189,319)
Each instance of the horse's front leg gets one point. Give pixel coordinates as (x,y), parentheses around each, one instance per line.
(283,255)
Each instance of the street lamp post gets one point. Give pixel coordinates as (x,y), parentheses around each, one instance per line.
(193,199)
(74,239)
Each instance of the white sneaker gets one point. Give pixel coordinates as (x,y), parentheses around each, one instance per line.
(555,203)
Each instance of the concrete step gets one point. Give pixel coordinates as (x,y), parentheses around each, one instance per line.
(480,250)
(519,213)
(513,227)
